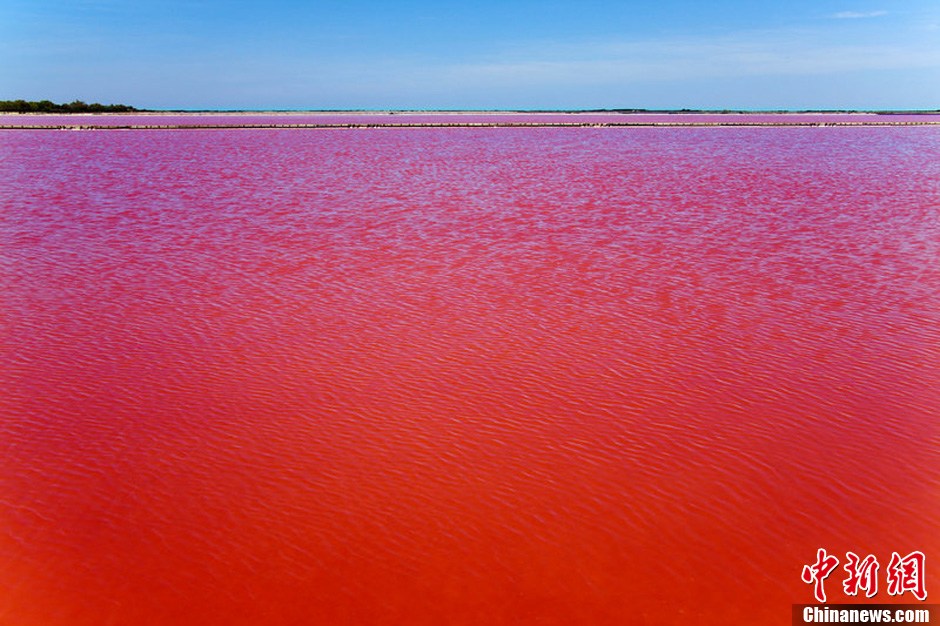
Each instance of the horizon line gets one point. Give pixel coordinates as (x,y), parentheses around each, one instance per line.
(621,110)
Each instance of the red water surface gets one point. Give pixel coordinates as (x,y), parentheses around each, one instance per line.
(442,119)
(463,376)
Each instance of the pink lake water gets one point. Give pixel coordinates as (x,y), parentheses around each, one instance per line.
(463,375)
(474,118)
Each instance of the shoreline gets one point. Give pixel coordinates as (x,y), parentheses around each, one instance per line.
(165,120)
(468,125)
(513,112)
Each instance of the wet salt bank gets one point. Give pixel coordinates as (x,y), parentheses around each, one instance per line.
(463,375)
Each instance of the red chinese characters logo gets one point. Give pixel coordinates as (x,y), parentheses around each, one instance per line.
(817,573)
(903,574)
(907,574)
(863,574)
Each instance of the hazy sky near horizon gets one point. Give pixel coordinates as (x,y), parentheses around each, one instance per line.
(422,54)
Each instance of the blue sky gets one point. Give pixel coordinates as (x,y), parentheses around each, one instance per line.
(418,54)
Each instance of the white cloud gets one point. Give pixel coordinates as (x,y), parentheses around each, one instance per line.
(854,15)
(740,55)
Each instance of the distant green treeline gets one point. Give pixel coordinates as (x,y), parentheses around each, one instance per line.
(46,106)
